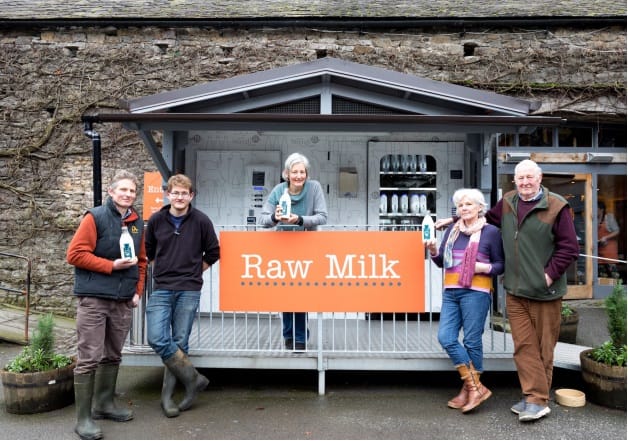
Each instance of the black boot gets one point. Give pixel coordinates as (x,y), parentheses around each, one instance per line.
(182,368)
(104,391)
(85,428)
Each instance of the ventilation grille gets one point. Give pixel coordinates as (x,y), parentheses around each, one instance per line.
(346,106)
(309,106)
(312,106)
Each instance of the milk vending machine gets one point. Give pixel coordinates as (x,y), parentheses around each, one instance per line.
(232,186)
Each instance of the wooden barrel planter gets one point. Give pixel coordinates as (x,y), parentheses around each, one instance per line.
(569,328)
(604,384)
(34,392)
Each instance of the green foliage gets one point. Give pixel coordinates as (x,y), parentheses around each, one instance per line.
(566,311)
(39,355)
(613,352)
(616,310)
(43,339)
(610,354)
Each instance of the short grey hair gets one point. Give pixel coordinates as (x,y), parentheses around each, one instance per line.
(295,158)
(474,195)
(121,175)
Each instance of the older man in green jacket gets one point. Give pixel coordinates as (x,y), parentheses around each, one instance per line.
(540,243)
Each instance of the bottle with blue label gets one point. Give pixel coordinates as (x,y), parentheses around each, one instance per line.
(286,204)
(427,227)
(127,248)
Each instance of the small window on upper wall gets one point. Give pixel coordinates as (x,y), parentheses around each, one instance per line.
(575,137)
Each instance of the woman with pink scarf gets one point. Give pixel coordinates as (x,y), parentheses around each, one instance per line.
(471,253)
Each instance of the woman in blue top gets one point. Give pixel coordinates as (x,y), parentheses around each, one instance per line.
(471,253)
(308,211)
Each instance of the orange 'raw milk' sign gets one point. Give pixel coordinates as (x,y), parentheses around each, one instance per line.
(153,194)
(322,271)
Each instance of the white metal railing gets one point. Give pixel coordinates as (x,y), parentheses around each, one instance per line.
(349,340)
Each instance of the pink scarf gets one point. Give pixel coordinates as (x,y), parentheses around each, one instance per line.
(467,269)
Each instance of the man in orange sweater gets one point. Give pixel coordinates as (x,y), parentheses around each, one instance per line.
(108,287)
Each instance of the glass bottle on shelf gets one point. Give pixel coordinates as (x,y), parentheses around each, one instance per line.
(384,163)
(394,163)
(415,206)
(403,203)
(404,164)
(422,204)
(383,203)
(394,203)
(413,163)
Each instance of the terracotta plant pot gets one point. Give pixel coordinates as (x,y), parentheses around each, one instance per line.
(34,392)
(604,384)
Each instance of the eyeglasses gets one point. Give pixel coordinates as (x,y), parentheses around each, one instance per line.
(177,194)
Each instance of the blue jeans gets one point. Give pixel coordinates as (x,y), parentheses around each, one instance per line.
(294,326)
(169,319)
(464,309)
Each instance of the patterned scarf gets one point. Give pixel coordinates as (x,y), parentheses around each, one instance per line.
(471,251)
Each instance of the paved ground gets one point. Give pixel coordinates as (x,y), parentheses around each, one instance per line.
(285,405)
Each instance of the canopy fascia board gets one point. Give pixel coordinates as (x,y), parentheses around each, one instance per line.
(335,122)
(145,123)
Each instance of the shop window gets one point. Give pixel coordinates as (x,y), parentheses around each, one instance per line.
(611,228)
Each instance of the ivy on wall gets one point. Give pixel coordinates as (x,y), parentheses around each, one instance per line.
(51,78)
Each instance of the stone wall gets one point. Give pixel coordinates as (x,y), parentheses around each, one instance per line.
(50,78)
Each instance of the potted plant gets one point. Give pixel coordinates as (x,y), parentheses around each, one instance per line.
(568,324)
(604,368)
(38,379)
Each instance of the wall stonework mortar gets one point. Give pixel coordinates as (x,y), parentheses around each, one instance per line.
(51,78)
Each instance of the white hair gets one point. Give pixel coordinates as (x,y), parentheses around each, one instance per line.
(295,158)
(474,195)
(528,163)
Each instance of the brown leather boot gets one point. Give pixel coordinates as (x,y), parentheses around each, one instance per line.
(478,393)
(461,399)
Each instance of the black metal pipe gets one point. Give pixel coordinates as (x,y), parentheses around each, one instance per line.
(96,163)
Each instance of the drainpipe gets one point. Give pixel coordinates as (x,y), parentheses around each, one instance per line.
(96,163)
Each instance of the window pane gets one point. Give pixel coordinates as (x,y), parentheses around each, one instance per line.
(507,140)
(541,137)
(575,137)
(612,136)
(611,226)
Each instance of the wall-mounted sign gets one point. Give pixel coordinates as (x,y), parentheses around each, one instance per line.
(322,271)
(153,194)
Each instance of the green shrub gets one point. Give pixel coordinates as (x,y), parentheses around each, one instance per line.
(39,355)
(613,352)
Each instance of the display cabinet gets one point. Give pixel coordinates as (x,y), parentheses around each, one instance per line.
(407,190)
